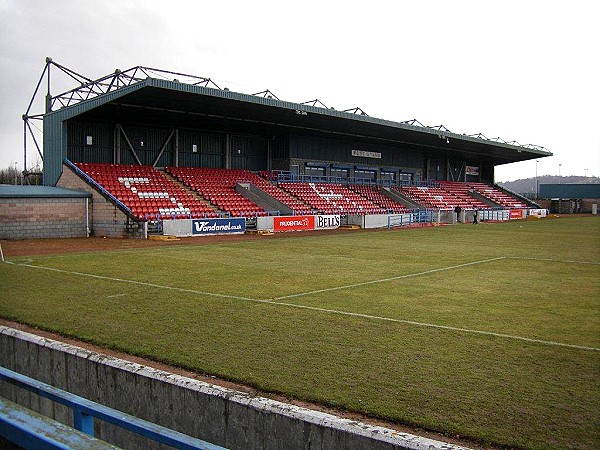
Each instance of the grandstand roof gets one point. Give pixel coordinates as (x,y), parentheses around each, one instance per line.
(153,97)
(170,102)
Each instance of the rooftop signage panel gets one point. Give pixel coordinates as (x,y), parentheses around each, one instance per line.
(365,154)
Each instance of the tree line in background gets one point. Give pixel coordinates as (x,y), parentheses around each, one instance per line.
(11,175)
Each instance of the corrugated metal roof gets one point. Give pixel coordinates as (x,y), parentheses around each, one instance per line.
(213,92)
(86,105)
(11,191)
(173,103)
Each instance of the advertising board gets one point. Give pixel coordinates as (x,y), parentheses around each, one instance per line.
(293,223)
(327,222)
(218,226)
(516,214)
(538,212)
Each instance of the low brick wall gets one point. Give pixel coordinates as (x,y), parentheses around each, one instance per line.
(25,218)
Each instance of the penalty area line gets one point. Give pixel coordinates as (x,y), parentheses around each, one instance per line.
(385,280)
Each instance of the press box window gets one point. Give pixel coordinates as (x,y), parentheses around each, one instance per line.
(365,175)
(339,173)
(314,171)
(389,177)
(406,177)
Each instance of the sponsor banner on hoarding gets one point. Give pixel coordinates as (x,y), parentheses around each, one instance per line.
(516,213)
(538,212)
(327,222)
(218,226)
(293,223)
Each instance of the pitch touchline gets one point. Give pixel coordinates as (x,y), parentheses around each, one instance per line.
(383,280)
(329,311)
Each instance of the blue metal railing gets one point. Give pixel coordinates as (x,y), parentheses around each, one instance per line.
(84,412)
(412,216)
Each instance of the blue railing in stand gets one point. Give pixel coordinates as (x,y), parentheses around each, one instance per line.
(424,215)
(98,186)
(411,217)
(421,183)
(84,412)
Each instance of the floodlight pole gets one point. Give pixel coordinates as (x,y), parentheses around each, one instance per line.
(559,178)
(537,183)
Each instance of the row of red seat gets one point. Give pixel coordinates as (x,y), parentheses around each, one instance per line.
(374,194)
(218,187)
(327,197)
(150,193)
(439,198)
(146,191)
(497,196)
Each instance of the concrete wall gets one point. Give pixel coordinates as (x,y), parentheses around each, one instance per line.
(265,223)
(218,415)
(26,218)
(106,219)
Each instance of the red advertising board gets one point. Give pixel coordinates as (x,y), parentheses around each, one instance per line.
(516,214)
(293,223)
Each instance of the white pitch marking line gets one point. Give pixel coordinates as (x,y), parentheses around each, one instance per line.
(140,283)
(441,327)
(116,295)
(564,261)
(329,311)
(384,280)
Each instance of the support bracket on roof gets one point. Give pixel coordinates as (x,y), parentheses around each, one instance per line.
(266,94)
(162,150)
(131,149)
(356,110)
(315,102)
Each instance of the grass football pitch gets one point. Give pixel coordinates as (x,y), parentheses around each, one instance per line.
(490,332)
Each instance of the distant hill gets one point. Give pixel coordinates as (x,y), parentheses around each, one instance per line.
(526,186)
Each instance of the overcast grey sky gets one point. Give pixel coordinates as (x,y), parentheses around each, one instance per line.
(523,70)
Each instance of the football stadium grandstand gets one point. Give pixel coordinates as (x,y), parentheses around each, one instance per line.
(152,145)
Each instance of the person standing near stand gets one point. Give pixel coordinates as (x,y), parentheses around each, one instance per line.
(475,213)
(457,211)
